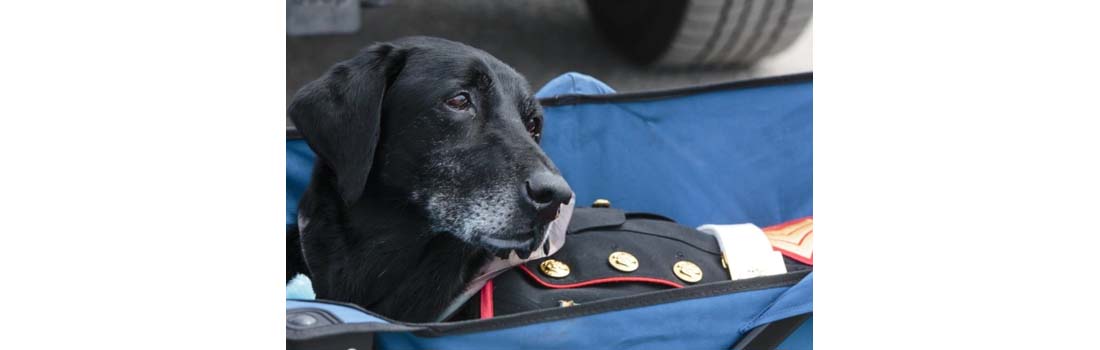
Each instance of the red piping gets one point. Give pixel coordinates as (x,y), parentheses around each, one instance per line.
(487,290)
(599,281)
(487,300)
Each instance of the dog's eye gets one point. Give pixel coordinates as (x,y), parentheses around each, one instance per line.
(460,102)
(534,127)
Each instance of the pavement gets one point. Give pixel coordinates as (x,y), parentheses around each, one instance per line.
(541,39)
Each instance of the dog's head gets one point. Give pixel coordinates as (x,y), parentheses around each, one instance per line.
(447,128)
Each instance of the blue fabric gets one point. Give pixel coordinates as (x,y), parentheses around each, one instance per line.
(299,165)
(714,323)
(802,338)
(300,287)
(713,158)
(573,83)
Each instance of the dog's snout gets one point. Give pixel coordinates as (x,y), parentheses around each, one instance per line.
(546,189)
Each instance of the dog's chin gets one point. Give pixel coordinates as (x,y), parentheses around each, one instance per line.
(523,244)
(494,224)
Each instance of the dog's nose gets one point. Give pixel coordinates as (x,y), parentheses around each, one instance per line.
(546,189)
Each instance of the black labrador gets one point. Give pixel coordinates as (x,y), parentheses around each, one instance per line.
(428,165)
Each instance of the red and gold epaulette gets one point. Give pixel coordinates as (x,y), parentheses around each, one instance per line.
(794,238)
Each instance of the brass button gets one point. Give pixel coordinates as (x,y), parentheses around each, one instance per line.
(601,203)
(554,268)
(623,261)
(688,271)
(566,303)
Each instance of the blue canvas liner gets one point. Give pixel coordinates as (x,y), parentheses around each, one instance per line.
(727,153)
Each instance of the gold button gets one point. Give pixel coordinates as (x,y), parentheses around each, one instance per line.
(688,271)
(566,303)
(554,268)
(601,203)
(623,261)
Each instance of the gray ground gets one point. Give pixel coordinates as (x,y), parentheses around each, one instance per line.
(539,38)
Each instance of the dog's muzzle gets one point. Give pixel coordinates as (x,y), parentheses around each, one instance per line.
(552,240)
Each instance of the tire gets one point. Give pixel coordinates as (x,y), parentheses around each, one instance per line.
(692,33)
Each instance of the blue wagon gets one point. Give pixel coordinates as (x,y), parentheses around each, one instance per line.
(719,154)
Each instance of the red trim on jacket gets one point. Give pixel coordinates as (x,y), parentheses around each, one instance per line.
(599,281)
(487,300)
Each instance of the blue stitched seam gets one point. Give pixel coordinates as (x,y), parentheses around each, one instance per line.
(755,320)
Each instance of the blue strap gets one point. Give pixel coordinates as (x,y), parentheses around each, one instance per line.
(346,314)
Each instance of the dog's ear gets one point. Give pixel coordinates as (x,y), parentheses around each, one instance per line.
(340,114)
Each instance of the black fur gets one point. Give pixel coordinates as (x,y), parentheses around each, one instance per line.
(410,196)
(295,263)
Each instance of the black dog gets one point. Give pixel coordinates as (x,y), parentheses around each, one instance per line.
(428,165)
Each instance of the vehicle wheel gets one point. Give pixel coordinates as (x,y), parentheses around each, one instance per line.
(701,32)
